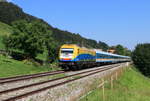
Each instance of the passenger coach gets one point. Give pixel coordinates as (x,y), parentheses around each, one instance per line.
(105,57)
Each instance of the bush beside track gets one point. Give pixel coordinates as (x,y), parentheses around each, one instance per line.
(131,86)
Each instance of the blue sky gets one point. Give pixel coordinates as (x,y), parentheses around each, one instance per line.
(125,22)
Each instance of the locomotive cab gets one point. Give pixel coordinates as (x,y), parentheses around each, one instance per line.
(66,54)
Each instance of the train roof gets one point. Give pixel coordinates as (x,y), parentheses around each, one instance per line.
(106,53)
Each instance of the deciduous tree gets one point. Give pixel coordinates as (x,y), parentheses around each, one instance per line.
(141,58)
(28,37)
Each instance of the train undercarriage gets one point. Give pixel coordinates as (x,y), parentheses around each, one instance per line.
(83,65)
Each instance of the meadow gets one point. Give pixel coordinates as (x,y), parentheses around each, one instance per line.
(131,86)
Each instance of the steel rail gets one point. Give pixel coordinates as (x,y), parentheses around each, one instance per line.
(55,85)
(31,76)
(6,78)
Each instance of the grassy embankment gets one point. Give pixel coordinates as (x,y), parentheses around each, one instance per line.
(11,67)
(131,86)
(4,30)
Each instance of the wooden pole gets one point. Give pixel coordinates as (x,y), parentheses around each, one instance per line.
(116,75)
(111,82)
(120,71)
(103,87)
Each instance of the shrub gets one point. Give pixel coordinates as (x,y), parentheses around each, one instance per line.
(141,58)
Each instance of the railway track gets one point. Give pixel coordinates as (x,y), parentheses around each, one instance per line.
(28,90)
(31,76)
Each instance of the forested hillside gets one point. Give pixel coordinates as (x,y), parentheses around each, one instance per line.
(10,12)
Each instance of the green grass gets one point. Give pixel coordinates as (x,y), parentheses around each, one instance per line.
(1,44)
(131,86)
(4,30)
(10,67)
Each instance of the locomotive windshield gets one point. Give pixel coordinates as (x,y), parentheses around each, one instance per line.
(67,51)
(63,51)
